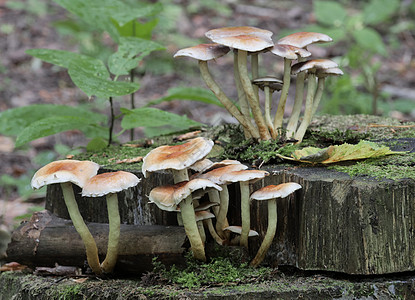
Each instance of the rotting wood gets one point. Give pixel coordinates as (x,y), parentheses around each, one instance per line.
(47,239)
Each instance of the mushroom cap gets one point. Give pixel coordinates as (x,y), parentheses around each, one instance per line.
(303,39)
(68,170)
(216,175)
(201,165)
(176,157)
(244,175)
(329,72)
(274,83)
(313,65)
(246,38)
(107,183)
(203,52)
(167,197)
(203,215)
(275,191)
(206,205)
(289,51)
(220,164)
(238,230)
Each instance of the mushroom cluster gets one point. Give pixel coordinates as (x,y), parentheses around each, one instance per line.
(84,174)
(194,175)
(251,41)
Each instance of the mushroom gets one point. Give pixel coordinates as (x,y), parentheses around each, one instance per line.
(67,172)
(289,53)
(269,84)
(246,39)
(270,193)
(238,230)
(214,173)
(300,40)
(168,197)
(203,53)
(109,184)
(244,177)
(311,67)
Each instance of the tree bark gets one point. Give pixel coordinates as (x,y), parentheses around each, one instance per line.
(47,239)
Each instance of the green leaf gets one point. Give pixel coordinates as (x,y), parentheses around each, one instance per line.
(188,93)
(91,84)
(329,13)
(50,126)
(370,39)
(137,29)
(13,121)
(153,117)
(344,152)
(130,52)
(378,11)
(97,144)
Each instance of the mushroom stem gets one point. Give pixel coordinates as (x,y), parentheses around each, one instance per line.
(212,231)
(227,103)
(252,98)
(267,109)
(255,70)
(269,235)
(298,102)
(318,95)
(81,228)
(243,102)
(279,115)
(311,88)
(221,220)
(245,213)
(191,229)
(114,233)
(180,175)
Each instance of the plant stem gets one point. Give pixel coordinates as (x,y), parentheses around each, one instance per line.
(245,213)
(252,98)
(298,103)
(269,236)
(111,121)
(279,115)
(81,228)
(311,88)
(132,100)
(227,103)
(114,233)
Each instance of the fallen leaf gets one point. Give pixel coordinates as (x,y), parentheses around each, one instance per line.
(333,154)
(130,160)
(188,135)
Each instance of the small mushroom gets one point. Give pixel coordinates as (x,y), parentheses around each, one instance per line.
(109,184)
(238,230)
(270,193)
(67,172)
(244,177)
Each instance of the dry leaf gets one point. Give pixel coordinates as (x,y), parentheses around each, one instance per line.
(188,135)
(333,154)
(130,160)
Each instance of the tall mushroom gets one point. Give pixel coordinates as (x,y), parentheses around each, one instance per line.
(67,172)
(270,193)
(311,67)
(289,53)
(178,159)
(109,184)
(246,39)
(300,40)
(204,53)
(244,177)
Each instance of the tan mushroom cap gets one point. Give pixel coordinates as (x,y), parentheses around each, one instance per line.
(75,171)
(201,165)
(275,191)
(329,72)
(203,52)
(273,83)
(303,39)
(238,230)
(220,164)
(238,30)
(167,197)
(289,51)
(176,157)
(203,215)
(244,175)
(216,175)
(311,66)
(250,43)
(107,183)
